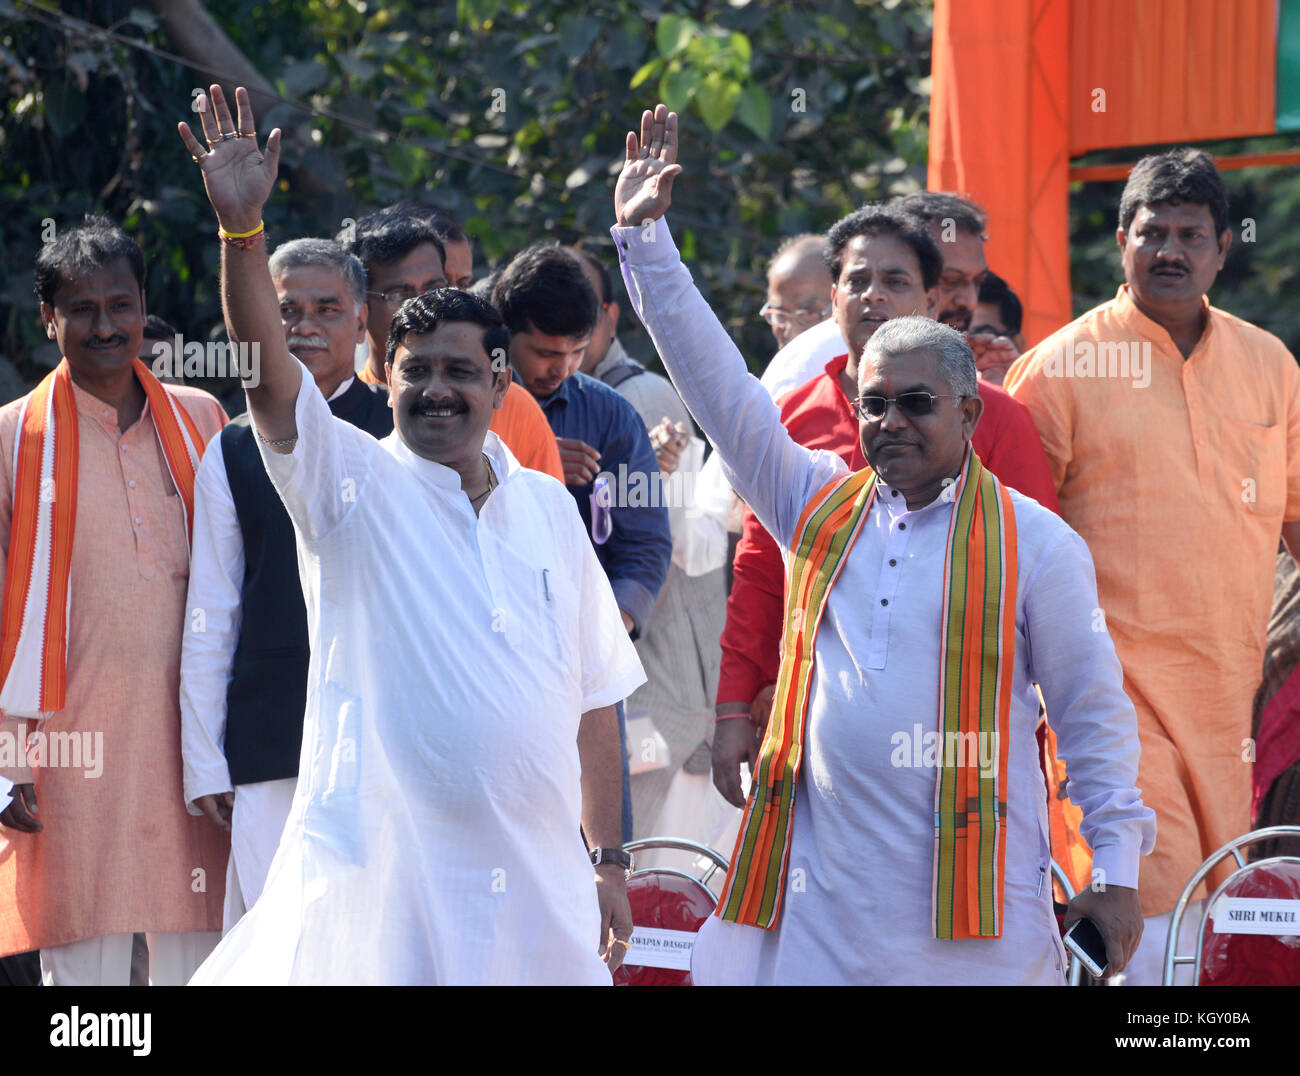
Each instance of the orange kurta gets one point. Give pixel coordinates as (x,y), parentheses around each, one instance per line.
(1180,487)
(119,853)
(522,425)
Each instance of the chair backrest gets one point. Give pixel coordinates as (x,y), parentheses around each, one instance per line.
(668,908)
(1073,969)
(1240,958)
(1230,957)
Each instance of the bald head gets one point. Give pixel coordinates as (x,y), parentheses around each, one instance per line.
(798,287)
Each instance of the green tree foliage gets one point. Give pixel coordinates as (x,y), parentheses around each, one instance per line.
(511,113)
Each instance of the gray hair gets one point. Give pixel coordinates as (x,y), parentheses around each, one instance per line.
(299,252)
(914,333)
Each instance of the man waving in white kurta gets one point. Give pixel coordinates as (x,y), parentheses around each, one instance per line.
(897,830)
(466,657)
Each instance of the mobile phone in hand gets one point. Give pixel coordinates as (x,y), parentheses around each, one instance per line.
(1084,940)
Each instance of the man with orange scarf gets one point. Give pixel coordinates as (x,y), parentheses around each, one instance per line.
(897,832)
(97,469)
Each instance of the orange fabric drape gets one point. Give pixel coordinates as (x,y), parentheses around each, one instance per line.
(1173,71)
(1013,99)
(999,133)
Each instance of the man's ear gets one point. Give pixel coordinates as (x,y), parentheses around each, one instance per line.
(363,316)
(500,388)
(47,319)
(1120,239)
(971,409)
(1225,241)
(932,302)
(614,312)
(144,308)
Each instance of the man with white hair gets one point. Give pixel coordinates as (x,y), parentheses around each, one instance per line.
(880,844)
(245,654)
(798,287)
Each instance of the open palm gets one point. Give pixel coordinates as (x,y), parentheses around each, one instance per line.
(236,174)
(645,186)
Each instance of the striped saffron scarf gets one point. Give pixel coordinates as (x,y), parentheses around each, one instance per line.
(976,660)
(34,617)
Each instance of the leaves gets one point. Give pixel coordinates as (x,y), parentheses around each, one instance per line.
(413,112)
(677,87)
(716,99)
(754,110)
(673,34)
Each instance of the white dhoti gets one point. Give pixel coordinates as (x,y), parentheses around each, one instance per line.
(106,961)
(256,824)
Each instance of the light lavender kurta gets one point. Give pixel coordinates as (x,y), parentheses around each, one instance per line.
(859,890)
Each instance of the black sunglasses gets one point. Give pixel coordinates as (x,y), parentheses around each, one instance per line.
(912,404)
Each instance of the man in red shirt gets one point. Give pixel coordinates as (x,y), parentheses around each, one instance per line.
(885,265)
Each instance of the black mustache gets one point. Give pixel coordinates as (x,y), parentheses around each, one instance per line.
(116,340)
(1169,265)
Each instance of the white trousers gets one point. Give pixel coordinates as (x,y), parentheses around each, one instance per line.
(106,960)
(1146,967)
(256,823)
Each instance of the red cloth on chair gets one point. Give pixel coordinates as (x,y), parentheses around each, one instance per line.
(1255,959)
(667,902)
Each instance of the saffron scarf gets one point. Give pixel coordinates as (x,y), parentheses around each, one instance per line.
(976,663)
(34,617)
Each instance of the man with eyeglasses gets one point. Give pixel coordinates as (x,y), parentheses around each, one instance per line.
(897,831)
(798,288)
(404,256)
(885,265)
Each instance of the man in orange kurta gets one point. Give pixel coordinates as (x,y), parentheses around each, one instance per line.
(93,852)
(1173,433)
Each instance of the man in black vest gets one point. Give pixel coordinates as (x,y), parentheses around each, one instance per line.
(245,655)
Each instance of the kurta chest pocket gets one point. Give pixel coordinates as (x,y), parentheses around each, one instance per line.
(554,623)
(1254,457)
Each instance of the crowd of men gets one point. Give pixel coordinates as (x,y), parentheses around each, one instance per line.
(465,598)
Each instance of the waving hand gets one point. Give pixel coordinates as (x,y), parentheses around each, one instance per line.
(645,186)
(236,174)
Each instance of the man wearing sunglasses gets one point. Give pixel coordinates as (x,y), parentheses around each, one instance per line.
(885,264)
(915,589)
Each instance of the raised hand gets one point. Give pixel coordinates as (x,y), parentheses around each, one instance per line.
(236,174)
(645,186)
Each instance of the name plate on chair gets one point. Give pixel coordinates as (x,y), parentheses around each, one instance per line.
(653,947)
(1256,915)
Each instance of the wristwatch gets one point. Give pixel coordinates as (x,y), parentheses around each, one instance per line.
(616,856)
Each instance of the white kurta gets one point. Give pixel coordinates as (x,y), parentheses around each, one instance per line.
(803,358)
(859,890)
(434,836)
